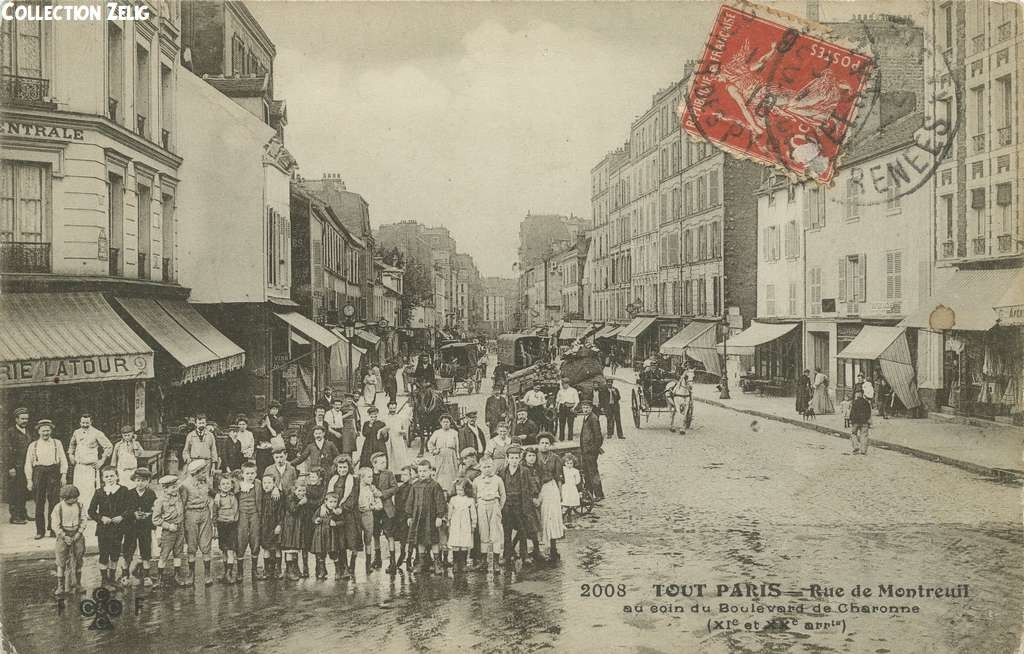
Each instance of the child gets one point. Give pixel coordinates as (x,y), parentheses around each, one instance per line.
(139,533)
(570,489)
(425,507)
(250,501)
(124,457)
(468,469)
(399,528)
(550,480)
(225,517)
(322,543)
(461,523)
(347,532)
(292,446)
(519,511)
(530,464)
(69,517)
(384,481)
(296,517)
(369,501)
(195,493)
(231,451)
(490,499)
(111,508)
(844,410)
(271,519)
(169,515)
(315,495)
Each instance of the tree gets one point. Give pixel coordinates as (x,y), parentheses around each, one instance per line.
(417,288)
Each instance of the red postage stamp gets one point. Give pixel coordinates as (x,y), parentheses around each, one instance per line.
(772,91)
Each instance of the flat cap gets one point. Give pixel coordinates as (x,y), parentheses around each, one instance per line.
(45,422)
(197,465)
(469,451)
(142,473)
(168,480)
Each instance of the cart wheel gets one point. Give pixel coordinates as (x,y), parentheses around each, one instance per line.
(586,502)
(636,407)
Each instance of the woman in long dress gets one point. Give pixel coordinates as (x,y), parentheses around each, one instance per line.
(398,454)
(370,386)
(444,447)
(821,402)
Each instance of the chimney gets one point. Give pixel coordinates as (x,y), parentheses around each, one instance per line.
(813,12)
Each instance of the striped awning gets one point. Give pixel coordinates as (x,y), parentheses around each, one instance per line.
(697,341)
(888,346)
(573,331)
(67,338)
(608,331)
(368,337)
(308,328)
(758,333)
(635,329)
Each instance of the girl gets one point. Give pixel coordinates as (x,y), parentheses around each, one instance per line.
(570,489)
(369,501)
(225,518)
(533,514)
(444,446)
(322,543)
(271,519)
(399,528)
(549,473)
(370,388)
(461,523)
(347,534)
(315,495)
(297,515)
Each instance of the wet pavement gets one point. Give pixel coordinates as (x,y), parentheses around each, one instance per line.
(733,501)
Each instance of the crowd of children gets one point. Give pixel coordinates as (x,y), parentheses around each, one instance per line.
(333,513)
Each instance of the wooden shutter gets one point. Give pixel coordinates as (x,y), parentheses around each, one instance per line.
(808,199)
(897,273)
(841,295)
(860,279)
(889,273)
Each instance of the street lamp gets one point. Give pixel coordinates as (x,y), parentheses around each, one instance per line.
(348,314)
(723,393)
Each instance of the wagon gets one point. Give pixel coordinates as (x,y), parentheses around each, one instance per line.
(650,396)
(459,368)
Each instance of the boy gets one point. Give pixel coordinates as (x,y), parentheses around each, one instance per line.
(385,483)
(425,508)
(284,474)
(169,515)
(250,499)
(399,529)
(125,456)
(369,503)
(468,469)
(489,491)
(231,451)
(195,494)
(112,507)
(69,516)
(140,532)
(520,504)
(860,419)
(225,517)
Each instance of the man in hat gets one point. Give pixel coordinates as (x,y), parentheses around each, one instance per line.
(591,441)
(169,515)
(471,435)
(46,465)
(88,449)
(195,495)
(375,438)
(15,446)
(517,515)
(610,399)
(496,409)
(567,399)
(536,402)
(525,430)
(125,457)
(201,445)
(320,452)
(285,475)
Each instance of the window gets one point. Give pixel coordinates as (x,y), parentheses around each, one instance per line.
(677,200)
(145,199)
(688,198)
(675,299)
(688,245)
(21,48)
(716,296)
(978,110)
(792,244)
(770,249)
(166,105)
(766,254)
(713,188)
(142,91)
(688,297)
(716,242)
(814,208)
(769,299)
(853,191)
(792,299)
(1003,201)
(814,276)
(115,71)
(946,202)
(790,194)
(24,205)
(237,55)
(892,194)
(977,169)
(978,205)
(702,297)
(852,278)
(701,194)
(893,275)
(702,242)
(664,207)
(946,29)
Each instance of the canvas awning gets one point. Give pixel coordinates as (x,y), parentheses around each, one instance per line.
(1010,307)
(339,357)
(635,329)
(697,341)
(608,331)
(308,328)
(573,331)
(888,346)
(175,325)
(67,338)
(971,295)
(758,333)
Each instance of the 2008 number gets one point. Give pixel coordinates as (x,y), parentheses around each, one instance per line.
(602,590)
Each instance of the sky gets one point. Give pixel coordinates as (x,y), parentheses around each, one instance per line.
(470,115)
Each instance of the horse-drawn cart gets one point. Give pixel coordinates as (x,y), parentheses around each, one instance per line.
(650,394)
(459,368)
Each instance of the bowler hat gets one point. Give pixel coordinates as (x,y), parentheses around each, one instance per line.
(20,411)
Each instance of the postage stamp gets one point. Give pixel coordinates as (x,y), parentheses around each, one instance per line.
(771,89)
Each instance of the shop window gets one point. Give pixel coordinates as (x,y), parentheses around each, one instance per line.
(24,204)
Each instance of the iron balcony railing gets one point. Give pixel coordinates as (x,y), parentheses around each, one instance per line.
(978,43)
(1005,135)
(24,257)
(1005,243)
(1004,31)
(979,245)
(15,89)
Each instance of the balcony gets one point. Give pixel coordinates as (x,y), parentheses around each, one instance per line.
(978,143)
(1004,32)
(112,109)
(143,268)
(165,139)
(24,257)
(114,262)
(140,125)
(1005,243)
(1005,136)
(979,244)
(977,43)
(15,89)
(948,250)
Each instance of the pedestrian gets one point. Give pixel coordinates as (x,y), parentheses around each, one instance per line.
(884,393)
(201,445)
(283,473)
(551,479)
(681,400)
(322,544)
(298,510)
(246,440)
(525,430)
(225,519)
(471,435)
(272,509)
(444,447)
(844,410)
(231,451)
(570,488)
(138,534)
(196,496)
(821,401)
(489,491)
(371,386)
(803,392)
(518,513)
(385,483)
(88,449)
(425,509)
(591,442)
(860,420)
(69,516)
(462,521)
(124,456)
(319,453)
(496,409)
(329,421)
(292,447)
(610,399)
(536,403)
(568,400)
(111,508)
(315,491)
(273,427)
(369,504)
(533,534)
(45,466)
(347,533)
(390,380)
(15,446)
(348,443)
(399,535)
(375,438)
(397,424)
(169,516)
(250,508)
(866,387)
(498,446)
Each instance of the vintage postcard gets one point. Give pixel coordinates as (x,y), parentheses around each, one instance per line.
(511,326)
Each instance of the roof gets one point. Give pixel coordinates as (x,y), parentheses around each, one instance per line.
(240,86)
(970,295)
(895,134)
(608,331)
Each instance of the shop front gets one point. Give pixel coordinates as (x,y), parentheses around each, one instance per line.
(638,339)
(64,354)
(765,357)
(302,369)
(696,344)
(880,352)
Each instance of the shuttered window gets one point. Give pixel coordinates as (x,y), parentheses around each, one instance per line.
(894,275)
(814,275)
(769,299)
(792,244)
(841,270)
(713,188)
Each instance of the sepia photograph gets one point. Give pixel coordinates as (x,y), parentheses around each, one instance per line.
(500,327)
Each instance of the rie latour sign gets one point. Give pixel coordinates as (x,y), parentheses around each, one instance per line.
(36,130)
(73,370)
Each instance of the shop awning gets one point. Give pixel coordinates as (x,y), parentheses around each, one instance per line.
(366,336)
(339,362)
(608,331)
(178,328)
(888,346)
(697,341)
(1010,307)
(633,330)
(67,338)
(298,340)
(972,295)
(758,333)
(308,328)
(573,331)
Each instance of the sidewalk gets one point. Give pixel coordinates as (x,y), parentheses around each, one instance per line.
(988,449)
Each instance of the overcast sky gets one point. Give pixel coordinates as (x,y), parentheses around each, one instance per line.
(469,115)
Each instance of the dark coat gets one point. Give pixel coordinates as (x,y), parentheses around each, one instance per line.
(591,439)
(467,438)
(120,503)
(373,442)
(387,484)
(860,412)
(495,409)
(521,488)
(322,458)
(142,512)
(424,505)
(803,393)
(15,448)
(526,432)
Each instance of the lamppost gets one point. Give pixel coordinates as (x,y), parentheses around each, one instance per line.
(723,394)
(348,317)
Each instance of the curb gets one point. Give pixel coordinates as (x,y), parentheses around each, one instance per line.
(43,555)
(997,474)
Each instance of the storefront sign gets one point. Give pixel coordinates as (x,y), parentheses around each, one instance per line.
(74,370)
(35,130)
(1009,316)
